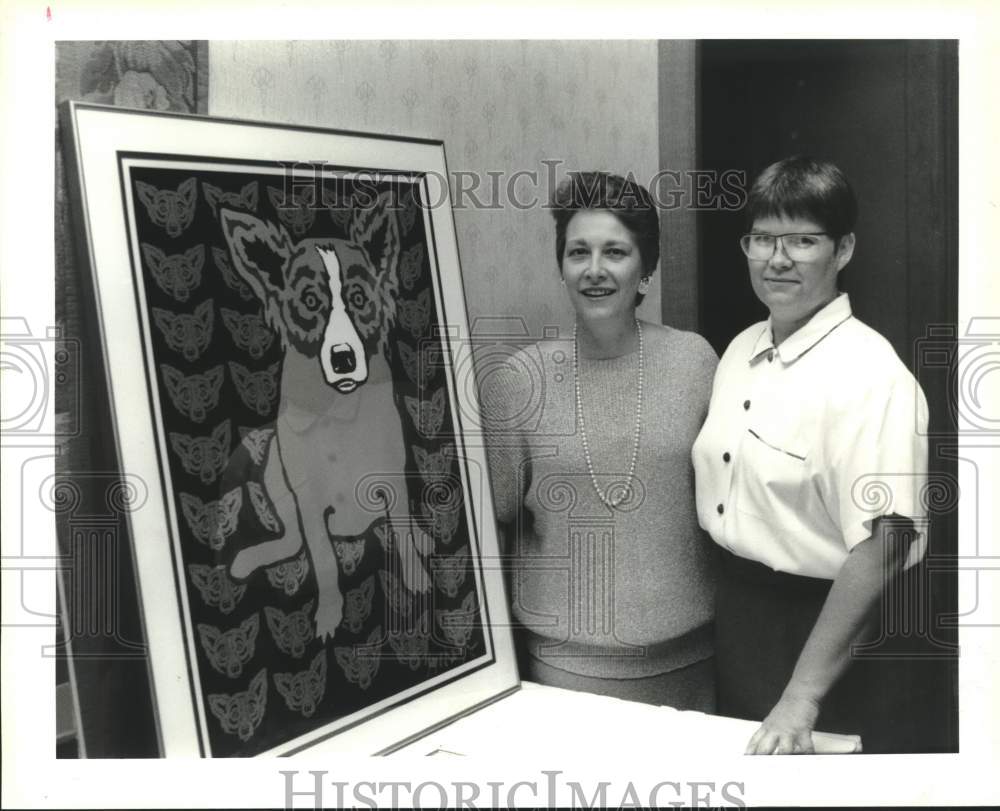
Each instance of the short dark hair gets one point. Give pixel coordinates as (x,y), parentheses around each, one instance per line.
(807,188)
(627,199)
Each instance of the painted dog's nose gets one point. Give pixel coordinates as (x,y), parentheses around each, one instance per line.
(342,359)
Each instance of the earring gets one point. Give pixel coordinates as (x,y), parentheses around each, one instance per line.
(643,284)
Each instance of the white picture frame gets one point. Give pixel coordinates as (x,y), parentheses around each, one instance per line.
(179,394)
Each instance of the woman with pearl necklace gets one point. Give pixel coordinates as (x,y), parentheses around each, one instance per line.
(611,579)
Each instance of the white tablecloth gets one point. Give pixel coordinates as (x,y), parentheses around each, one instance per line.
(539,720)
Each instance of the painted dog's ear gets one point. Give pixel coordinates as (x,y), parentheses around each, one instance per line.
(221,434)
(258,686)
(147,193)
(188,191)
(261,251)
(376,229)
(248,196)
(203,313)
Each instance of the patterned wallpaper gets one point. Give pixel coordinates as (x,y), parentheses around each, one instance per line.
(499,106)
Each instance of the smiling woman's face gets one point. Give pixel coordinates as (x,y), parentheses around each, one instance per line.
(601,266)
(795,290)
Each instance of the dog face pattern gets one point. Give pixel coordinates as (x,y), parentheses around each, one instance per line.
(171,209)
(358,605)
(349,553)
(187,333)
(410,266)
(354,264)
(203,456)
(241,713)
(289,576)
(216,588)
(443,521)
(193,395)
(249,332)
(420,364)
(415,314)
(245,198)
(411,644)
(296,210)
(291,632)
(212,523)
(360,663)
(177,274)
(435,465)
(449,571)
(304,691)
(228,651)
(427,415)
(456,626)
(257,390)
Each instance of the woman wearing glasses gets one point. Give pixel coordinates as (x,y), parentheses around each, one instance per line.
(812,413)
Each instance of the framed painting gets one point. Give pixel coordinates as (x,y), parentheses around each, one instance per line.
(278,309)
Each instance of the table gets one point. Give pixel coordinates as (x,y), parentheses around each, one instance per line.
(537,720)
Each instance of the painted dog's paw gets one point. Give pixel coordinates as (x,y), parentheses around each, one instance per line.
(329,614)
(243,565)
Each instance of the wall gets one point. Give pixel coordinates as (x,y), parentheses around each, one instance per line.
(498,106)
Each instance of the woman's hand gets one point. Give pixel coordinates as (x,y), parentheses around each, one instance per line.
(826,655)
(787,730)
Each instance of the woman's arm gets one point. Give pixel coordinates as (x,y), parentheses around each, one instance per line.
(827,653)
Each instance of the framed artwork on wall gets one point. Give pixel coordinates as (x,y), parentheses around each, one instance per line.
(279,309)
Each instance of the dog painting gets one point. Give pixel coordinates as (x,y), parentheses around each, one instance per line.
(304,415)
(285,344)
(331,303)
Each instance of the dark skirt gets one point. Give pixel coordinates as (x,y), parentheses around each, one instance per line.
(763,619)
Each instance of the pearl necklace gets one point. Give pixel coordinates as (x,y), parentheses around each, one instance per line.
(623,493)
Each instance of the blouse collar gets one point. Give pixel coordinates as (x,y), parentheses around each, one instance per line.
(805,337)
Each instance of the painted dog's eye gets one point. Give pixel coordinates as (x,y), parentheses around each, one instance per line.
(311,300)
(358,299)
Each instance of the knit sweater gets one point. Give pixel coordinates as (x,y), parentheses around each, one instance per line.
(612,593)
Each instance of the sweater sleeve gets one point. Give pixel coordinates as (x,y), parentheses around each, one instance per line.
(700,362)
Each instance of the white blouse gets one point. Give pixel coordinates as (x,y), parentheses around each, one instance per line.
(807,443)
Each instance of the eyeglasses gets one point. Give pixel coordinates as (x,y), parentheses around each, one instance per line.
(797,247)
